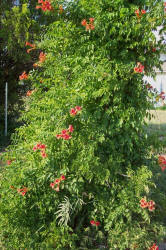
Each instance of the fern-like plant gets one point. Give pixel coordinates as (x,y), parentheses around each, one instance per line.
(63,213)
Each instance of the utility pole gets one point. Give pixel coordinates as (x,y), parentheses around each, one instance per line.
(6,104)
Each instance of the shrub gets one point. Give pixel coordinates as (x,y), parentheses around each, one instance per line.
(79,176)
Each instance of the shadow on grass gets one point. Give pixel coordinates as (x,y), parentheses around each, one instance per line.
(4,142)
(157,128)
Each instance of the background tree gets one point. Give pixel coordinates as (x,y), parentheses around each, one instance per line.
(20,21)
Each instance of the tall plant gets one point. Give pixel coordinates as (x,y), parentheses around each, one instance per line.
(78,174)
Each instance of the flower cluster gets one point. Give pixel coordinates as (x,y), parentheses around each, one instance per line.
(42,148)
(154,247)
(153,49)
(140,13)
(33,46)
(65,133)
(97,223)
(35,65)
(165,6)
(150,205)
(61,9)
(139,68)
(73,111)
(42,58)
(23,190)
(160,96)
(9,162)
(90,25)
(29,92)
(45,5)
(148,86)
(162,162)
(57,182)
(24,76)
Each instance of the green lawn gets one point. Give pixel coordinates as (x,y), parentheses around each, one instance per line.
(159,121)
(157,130)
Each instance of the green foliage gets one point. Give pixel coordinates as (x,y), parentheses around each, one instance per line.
(106,162)
(18,24)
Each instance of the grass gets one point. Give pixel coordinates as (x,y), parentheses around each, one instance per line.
(156,131)
(4,142)
(158,121)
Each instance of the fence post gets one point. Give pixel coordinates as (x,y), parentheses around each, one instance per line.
(6,104)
